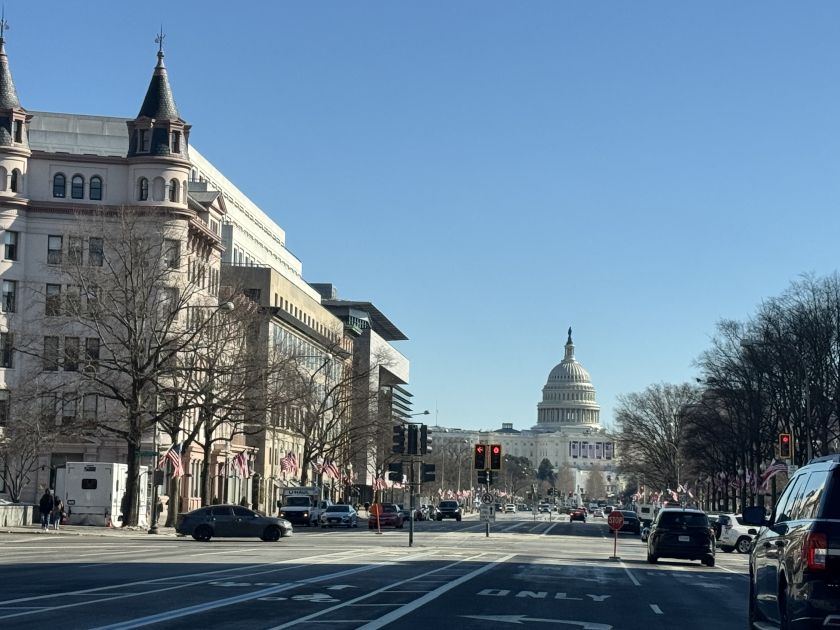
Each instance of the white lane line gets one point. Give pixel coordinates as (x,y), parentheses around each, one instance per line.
(632,577)
(384,589)
(552,526)
(216,553)
(99,589)
(656,609)
(219,603)
(514,526)
(741,573)
(535,527)
(422,601)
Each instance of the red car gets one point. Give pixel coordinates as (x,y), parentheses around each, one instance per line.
(390,517)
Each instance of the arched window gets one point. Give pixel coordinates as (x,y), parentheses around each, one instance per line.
(59,185)
(15,183)
(193,177)
(96,188)
(77,187)
(144,189)
(174,197)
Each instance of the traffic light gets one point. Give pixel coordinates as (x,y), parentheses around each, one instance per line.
(428,473)
(642,491)
(480,457)
(785,446)
(412,439)
(570,494)
(425,440)
(482,477)
(495,457)
(550,491)
(395,472)
(399,439)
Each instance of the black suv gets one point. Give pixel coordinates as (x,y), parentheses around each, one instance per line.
(795,561)
(449,509)
(679,533)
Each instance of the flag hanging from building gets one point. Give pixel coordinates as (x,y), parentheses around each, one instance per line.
(173,455)
(380,484)
(289,464)
(240,464)
(332,470)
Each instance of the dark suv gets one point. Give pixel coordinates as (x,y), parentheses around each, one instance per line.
(449,509)
(795,561)
(680,533)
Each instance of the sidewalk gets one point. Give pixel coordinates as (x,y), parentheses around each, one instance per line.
(81,530)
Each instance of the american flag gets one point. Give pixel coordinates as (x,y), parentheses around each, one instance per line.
(380,484)
(774,469)
(173,455)
(332,470)
(240,463)
(289,464)
(318,467)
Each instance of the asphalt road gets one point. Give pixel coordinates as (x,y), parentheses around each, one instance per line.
(537,574)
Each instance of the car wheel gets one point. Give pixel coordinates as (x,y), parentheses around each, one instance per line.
(783,611)
(709,561)
(754,615)
(651,558)
(744,545)
(458,518)
(271,534)
(440,518)
(400,525)
(203,533)
(727,549)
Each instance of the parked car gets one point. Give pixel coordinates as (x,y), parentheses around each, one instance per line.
(340,516)
(510,508)
(645,533)
(390,517)
(578,514)
(231,521)
(795,564)
(734,534)
(598,513)
(681,533)
(449,509)
(631,522)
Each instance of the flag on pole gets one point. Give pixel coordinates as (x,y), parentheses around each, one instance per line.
(240,463)
(173,455)
(332,470)
(289,464)
(774,469)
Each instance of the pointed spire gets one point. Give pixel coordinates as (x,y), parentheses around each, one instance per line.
(159,102)
(8,92)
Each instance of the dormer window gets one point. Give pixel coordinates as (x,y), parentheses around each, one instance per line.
(145,140)
(176,142)
(144,189)
(18,131)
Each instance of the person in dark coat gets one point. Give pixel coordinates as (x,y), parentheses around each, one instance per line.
(46,508)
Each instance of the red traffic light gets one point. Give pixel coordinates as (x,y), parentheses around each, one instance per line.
(496,450)
(480,457)
(785,439)
(479,449)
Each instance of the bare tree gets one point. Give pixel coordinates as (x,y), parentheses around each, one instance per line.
(595,486)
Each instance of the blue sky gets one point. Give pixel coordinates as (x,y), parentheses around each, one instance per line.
(491,173)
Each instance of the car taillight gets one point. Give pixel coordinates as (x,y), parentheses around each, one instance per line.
(816,550)
(727,527)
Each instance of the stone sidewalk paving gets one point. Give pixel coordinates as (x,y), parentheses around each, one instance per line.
(81,530)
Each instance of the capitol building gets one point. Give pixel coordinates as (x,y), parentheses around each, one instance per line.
(568,428)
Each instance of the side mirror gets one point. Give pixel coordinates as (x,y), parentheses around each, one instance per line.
(754,515)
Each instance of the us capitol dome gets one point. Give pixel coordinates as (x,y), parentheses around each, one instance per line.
(568,400)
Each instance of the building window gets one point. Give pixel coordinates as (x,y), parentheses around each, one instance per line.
(77,187)
(11,242)
(54,246)
(89,407)
(59,185)
(91,354)
(4,407)
(171,254)
(50,354)
(71,354)
(15,183)
(68,409)
(173,191)
(9,296)
(145,140)
(95,256)
(7,350)
(74,250)
(96,188)
(176,142)
(92,301)
(144,189)
(18,131)
(52,306)
(74,300)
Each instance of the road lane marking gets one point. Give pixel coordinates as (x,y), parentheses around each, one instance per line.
(518,619)
(656,609)
(632,577)
(384,589)
(220,603)
(425,599)
(735,572)
(216,553)
(552,526)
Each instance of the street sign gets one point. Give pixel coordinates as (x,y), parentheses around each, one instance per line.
(375,509)
(615,520)
(487,513)
(487,497)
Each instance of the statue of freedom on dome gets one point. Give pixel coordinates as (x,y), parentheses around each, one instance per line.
(570,335)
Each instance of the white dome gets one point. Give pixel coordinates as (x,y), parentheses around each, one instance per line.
(569,371)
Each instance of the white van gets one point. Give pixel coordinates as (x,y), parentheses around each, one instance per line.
(92,492)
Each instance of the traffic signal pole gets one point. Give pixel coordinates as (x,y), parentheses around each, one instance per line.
(411,482)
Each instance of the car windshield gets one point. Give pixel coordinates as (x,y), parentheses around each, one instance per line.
(682,519)
(338,508)
(629,514)
(448,504)
(389,508)
(297,501)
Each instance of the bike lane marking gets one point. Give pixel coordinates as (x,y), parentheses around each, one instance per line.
(550,527)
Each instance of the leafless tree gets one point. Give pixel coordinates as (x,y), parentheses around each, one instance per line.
(595,486)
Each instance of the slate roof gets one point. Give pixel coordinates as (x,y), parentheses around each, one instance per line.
(159,102)
(8,93)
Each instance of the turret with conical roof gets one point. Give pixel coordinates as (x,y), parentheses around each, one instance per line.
(14,128)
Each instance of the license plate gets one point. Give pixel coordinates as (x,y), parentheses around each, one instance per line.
(685,538)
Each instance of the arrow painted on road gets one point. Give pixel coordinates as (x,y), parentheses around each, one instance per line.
(586,625)
(339,587)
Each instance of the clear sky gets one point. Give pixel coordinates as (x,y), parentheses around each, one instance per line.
(491,173)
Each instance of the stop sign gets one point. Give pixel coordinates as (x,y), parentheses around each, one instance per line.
(615,520)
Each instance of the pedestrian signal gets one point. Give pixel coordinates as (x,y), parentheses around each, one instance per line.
(399,439)
(480,457)
(428,473)
(785,446)
(412,439)
(495,457)
(425,440)
(482,477)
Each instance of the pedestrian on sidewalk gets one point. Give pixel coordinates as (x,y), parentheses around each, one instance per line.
(57,513)
(46,507)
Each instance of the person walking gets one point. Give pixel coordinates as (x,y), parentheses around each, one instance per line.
(57,512)
(45,507)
